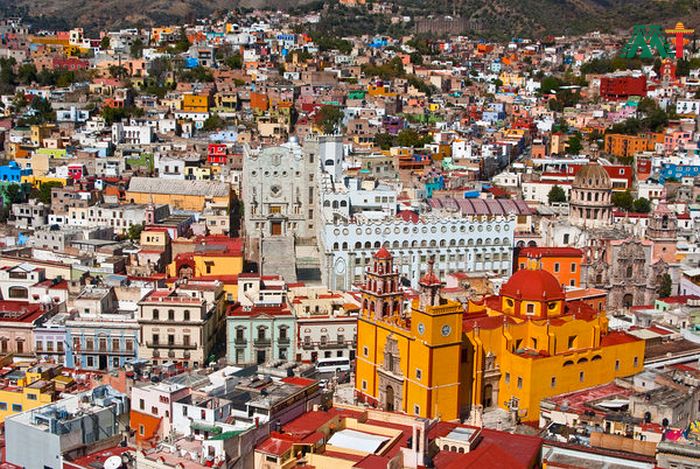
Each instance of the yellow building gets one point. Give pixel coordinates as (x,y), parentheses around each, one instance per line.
(397,351)
(509,351)
(214,257)
(179,194)
(33,389)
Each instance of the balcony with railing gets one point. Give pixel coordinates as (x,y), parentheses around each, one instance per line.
(171,345)
(262,342)
(328,344)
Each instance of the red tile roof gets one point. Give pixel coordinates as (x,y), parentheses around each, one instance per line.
(494,450)
(617,338)
(277,444)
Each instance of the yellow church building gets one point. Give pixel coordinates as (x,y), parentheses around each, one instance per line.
(444,359)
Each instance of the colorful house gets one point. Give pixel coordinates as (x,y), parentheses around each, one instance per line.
(215,257)
(508,351)
(563,262)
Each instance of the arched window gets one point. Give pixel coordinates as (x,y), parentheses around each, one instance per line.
(568,362)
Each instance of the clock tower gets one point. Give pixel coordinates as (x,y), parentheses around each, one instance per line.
(436,325)
(435,320)
(408,360)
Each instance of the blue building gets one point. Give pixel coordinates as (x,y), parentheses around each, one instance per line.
(433,184)
(677,171)
(12,173)
(99,335)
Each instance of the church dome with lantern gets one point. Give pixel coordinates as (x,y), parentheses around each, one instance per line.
(532,293)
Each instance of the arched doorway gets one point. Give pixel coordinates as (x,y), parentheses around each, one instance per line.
(389,404)
(627,300)
(488,393)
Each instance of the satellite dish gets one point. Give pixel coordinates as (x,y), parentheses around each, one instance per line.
(113,462)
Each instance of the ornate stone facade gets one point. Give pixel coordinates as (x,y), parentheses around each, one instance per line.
(624,268)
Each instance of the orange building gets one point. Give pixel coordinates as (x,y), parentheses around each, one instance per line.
(564,263)
(195,103)
(259,102)
(630,145)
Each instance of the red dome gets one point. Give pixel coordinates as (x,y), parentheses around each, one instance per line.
(533,285)
(383,253)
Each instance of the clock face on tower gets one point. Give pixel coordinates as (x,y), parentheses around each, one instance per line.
(421,328)
(445,330)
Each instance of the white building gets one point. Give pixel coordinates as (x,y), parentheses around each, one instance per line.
(687,106)
(326,323)
(459,243)
(538,191)
(132,134)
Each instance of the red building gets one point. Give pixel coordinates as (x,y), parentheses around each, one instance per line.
(623,86)
(216,153)
(620,175)
(70,63)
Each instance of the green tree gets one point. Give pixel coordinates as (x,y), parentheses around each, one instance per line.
(682,68)
(117,71)
(27,74)
(623,200)
(556,195)
(417,58)
(384,140)
(14,193)
(411,138)
(642,205)
(665,286)
(8,78)
(330,118)
(549,84)
(213,122)
(234,61)
(134,232)
(43,193)
(574,144)
(136,48)
(182,44)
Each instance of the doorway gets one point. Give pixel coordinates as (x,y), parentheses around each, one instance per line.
(276,228)
(389,405)
(488,394)
(627,300)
